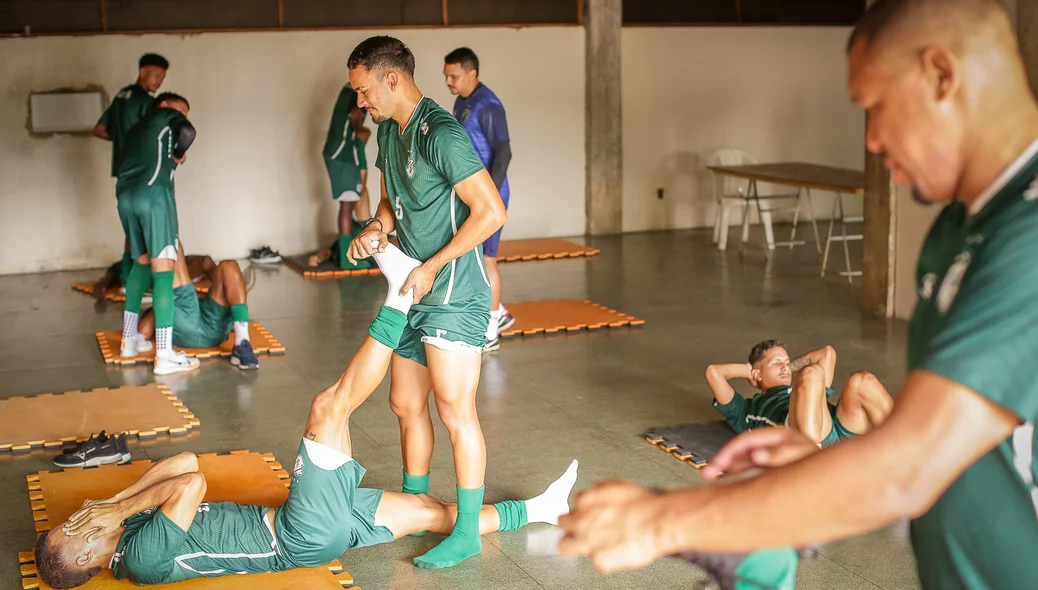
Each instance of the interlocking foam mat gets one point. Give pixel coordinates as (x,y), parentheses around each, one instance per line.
(694,443)
(259,337)
(548,249)
(113,294)
(536,317)
(49,421)
(325,270)
(241,476)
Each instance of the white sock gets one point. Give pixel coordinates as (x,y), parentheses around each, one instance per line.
(164,341)
(129,325)
(501,309)
(397,266)
(492,328)
(554,502)
(241,332)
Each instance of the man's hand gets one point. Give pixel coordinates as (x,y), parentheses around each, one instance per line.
(181,159)
(761,447)
(616,525)
(421,279)
(95,519)
(371,240)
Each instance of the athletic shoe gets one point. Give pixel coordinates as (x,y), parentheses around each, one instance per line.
(492,345)
(97,450)
(265,255)
(130,348)
(243,357)
(505,321)
(178,362)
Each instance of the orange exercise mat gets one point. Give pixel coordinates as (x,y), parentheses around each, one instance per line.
(242,476)
(49,420)
(113,294)
(259,337)
(535,317)
(548,249)
(325,270)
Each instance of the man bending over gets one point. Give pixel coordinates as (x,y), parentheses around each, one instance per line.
(159,530)
(802,403)
(206,323)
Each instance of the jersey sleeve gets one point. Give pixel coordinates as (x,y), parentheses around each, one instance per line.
(734,412)
(989,335)
(148,555)
(492,121)
(449,149)
(105,120)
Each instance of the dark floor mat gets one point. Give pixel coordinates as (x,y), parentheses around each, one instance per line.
(694,443)
(325,270)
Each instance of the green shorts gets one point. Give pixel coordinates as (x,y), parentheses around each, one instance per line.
(199,324)
(460,326)
(326,513)
(149,218)
(839,431)
(345,179)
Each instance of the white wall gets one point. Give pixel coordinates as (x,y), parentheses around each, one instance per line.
(261,103)
(777,93)
(913,223)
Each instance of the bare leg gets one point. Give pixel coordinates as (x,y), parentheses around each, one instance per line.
(808,409)
(200,266)
(346,217)
(405,514)
(865,403)
(228,286)
(455,377)
(495,282)
(409,400)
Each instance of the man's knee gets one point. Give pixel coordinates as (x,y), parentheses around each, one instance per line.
(328,405)
(407,404)
(229,267)
(811,378)
(455,414)
(866,386)
(186,462)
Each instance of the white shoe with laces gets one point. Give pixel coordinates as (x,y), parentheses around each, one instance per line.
(132,347)
(177,362)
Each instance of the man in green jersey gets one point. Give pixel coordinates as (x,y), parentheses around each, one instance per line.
(443,205)
(950,106)
(148,210)
(802,403)
(347,166)
(160,529)
(128,106)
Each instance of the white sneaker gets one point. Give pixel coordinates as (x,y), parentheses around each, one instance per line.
(178,362)
(133,347)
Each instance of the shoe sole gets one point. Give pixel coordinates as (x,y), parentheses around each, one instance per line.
(94,462)
(273,260)
(492,347)
(237,363)
(507,324)
(176,369)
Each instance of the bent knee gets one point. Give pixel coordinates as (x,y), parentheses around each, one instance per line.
(329,405)
(229,266)
(187,462)
(865,384)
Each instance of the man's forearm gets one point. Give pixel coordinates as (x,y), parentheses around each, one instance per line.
(384,213)
(812,358)
(161,471)
(476,229)
(155,495)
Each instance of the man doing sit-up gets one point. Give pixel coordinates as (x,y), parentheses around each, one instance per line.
(802,403)
(159,530)
(206,323)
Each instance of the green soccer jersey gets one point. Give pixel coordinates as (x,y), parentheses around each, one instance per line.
(339,143)
(768,408)
(130,105)
(976,323)
(224,538)
(148,159)
(421,164)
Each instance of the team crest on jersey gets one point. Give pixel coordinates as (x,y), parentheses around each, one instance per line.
(425,128)
(464,115)
(298,469)
(410,166)
(1032,191)
(952,280)
(125,94)
(926,288)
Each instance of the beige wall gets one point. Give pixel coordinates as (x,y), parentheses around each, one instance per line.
(261,103)
(777,93)
(913,223)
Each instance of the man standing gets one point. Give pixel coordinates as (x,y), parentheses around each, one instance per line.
(949,104)
(443,204)
(348,169)
(479,110)
(129,106)
(148,211)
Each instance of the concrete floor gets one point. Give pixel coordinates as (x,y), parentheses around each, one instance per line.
(543,400)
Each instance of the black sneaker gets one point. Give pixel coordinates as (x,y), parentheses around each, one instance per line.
(243,357)
(505,321)
(265,255)
(96,450)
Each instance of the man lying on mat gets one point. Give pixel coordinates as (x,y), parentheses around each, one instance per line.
(116,274)
(159,530)
(802,403)
(206,323)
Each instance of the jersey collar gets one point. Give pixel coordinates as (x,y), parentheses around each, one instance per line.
(1007,175)
(413,113)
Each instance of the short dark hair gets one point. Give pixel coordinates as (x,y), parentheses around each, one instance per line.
(153,59)
(55,571)
(464,57)
(883,16)
(168,96)
(757,352)
(380,54)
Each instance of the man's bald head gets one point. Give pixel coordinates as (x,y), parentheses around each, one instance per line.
(936,78)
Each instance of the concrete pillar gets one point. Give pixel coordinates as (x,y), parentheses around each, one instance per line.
(603,133)
(878,245)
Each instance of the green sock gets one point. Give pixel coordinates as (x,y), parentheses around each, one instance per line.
(772,568)
(464,541)
(512,513)
(413,484)
(137,283)
(240,312)
(162,301)
(387,327)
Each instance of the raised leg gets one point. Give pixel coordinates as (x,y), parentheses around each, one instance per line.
(864,404)
(808,407)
